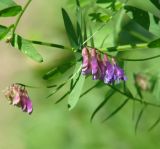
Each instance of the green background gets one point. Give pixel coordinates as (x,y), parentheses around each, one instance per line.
(53,126)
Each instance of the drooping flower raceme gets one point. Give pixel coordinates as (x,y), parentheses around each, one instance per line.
(18,96)
(101,69)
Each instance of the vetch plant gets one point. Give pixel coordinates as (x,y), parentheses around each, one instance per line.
(107,35)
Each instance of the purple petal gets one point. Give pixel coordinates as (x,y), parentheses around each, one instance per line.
(86,62)
(109,74)
(119,73)
(26,104)
(94,64)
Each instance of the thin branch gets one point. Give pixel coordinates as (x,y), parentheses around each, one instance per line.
(134,98)
(19,17)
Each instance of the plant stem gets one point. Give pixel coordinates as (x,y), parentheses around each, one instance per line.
(134,98)
(50,44)
(19,17)
(123,47)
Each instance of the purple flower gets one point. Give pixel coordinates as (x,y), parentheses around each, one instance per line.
(100,69)
(18,96)
(109,73)
(26,103)
(102,66)
(86,68)
(119,74)
(94,65)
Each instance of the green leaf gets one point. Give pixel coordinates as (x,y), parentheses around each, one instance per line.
(108,96)
(140,16)
(139,117)
(92,39)
(62,68)
(69,29)
(49,44)
(147,6)
(4,31)
(85,33)
(76,92)
(50,73)
(103,1)
(154,124)
(56,90)
(156,90)
(60,99)
(127,91)
(154,44)
(9,8)
(11,11)
(78,3)
(116,110)
(133,33)
(26,47)
(157,4)
(99,83)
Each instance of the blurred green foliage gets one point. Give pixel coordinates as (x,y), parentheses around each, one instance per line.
(53,126)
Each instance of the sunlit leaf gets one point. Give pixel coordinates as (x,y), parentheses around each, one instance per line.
(4,31)
(26,47)
(9,8)
(76,92)
(154,44)
(11,11)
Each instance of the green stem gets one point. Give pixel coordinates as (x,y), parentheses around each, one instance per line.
(134,98)
(142,59)
(124,47)
(50,44)
(19,17)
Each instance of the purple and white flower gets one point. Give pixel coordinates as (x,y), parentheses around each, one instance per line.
(18,96)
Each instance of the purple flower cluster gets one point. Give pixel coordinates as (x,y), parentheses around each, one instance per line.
(101,69)
(18,96)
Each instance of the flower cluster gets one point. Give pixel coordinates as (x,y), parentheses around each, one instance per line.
(101,69)
(18,96)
